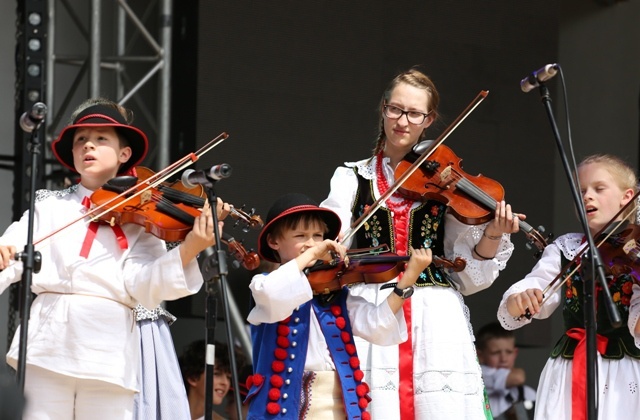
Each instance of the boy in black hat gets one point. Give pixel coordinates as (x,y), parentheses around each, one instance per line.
(303,342)
(83,351)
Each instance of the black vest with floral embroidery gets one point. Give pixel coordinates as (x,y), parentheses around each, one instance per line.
(620,340)
(425,229)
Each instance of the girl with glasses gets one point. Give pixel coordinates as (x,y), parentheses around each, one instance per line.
(435,373)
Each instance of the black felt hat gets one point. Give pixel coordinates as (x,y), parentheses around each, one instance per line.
(95,116)
(290,204)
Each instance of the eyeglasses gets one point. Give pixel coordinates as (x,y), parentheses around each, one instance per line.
(414,117)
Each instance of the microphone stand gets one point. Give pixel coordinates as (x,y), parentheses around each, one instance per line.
(214,267)
(598,273)
(31,259)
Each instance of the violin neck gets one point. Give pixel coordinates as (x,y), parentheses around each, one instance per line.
(485,199)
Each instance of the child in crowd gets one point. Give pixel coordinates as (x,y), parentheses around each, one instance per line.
(192,364)
(504,382)
(305,361)
(607,184)
(83,350)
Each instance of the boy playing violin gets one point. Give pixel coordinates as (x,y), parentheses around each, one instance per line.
(82,356)
(608,184)
(305,361)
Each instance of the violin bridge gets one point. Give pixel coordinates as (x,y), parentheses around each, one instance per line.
(446,173)
(145,197)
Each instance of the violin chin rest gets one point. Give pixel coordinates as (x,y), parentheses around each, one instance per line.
(120,183)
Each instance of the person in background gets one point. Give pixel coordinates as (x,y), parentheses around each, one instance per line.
(607,184)
(192,364)
(505,383)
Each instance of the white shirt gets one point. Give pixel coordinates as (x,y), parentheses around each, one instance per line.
(81,322)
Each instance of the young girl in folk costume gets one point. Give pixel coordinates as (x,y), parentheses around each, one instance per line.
(83,349)
(305,361)
(435,373)
(607,184)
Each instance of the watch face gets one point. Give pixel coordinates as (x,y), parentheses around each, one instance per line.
(404,293)
(407,293)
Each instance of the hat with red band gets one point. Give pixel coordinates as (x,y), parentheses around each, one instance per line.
(101,116)
(291,204)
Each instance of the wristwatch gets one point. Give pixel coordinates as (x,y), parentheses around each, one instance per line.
(403,293)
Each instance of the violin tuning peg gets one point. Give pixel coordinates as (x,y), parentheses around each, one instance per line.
(541,229)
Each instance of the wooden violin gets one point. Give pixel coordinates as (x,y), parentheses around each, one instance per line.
(368,265)
(167,211)
(472,199)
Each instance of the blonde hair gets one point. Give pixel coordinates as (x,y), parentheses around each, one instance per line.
(415,78)
(623,174)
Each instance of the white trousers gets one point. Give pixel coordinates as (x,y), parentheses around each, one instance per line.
(52,396)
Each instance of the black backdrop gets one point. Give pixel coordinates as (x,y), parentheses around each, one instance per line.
(296,86)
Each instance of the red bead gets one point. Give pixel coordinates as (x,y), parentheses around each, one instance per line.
(358,375)
(283,330)
(282,342)
(363,403)
(354,362)
(336,310)
(277,366)
(346,337)
(257,379)
(280,354)
(341,323)
(351,349)
(273,408)
(277,381)
(361,390)
(274,394)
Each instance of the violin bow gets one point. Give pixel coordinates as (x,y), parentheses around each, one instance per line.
(414,166)
(153,181)
(553,287)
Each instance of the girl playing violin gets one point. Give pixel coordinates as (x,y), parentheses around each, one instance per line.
(305,362)
(83,349)
(435,373)
(607,184)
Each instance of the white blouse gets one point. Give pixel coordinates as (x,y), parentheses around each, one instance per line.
(81,323)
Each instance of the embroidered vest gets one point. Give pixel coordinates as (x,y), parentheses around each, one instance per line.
(621,341)
(279,353)
(425,229)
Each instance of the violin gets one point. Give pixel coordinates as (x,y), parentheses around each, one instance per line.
(619,245)
(366,265)
(472,199)
(249,260)
(166,211)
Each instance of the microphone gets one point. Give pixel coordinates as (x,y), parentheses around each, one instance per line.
(542,75)
(192,178)
(32,119)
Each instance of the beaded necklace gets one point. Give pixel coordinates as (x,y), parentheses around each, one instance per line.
(399,209)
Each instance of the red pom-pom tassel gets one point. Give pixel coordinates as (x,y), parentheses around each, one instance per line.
(365,416)
(274,394)
(256,379)
(361,390)
(336,310)
(277,381)
(341,323)
(346,337)
(277,366)
(282,342)
(363,403)
(273,408)
(280,354)
(283,330)
(358,375)
(354,362)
